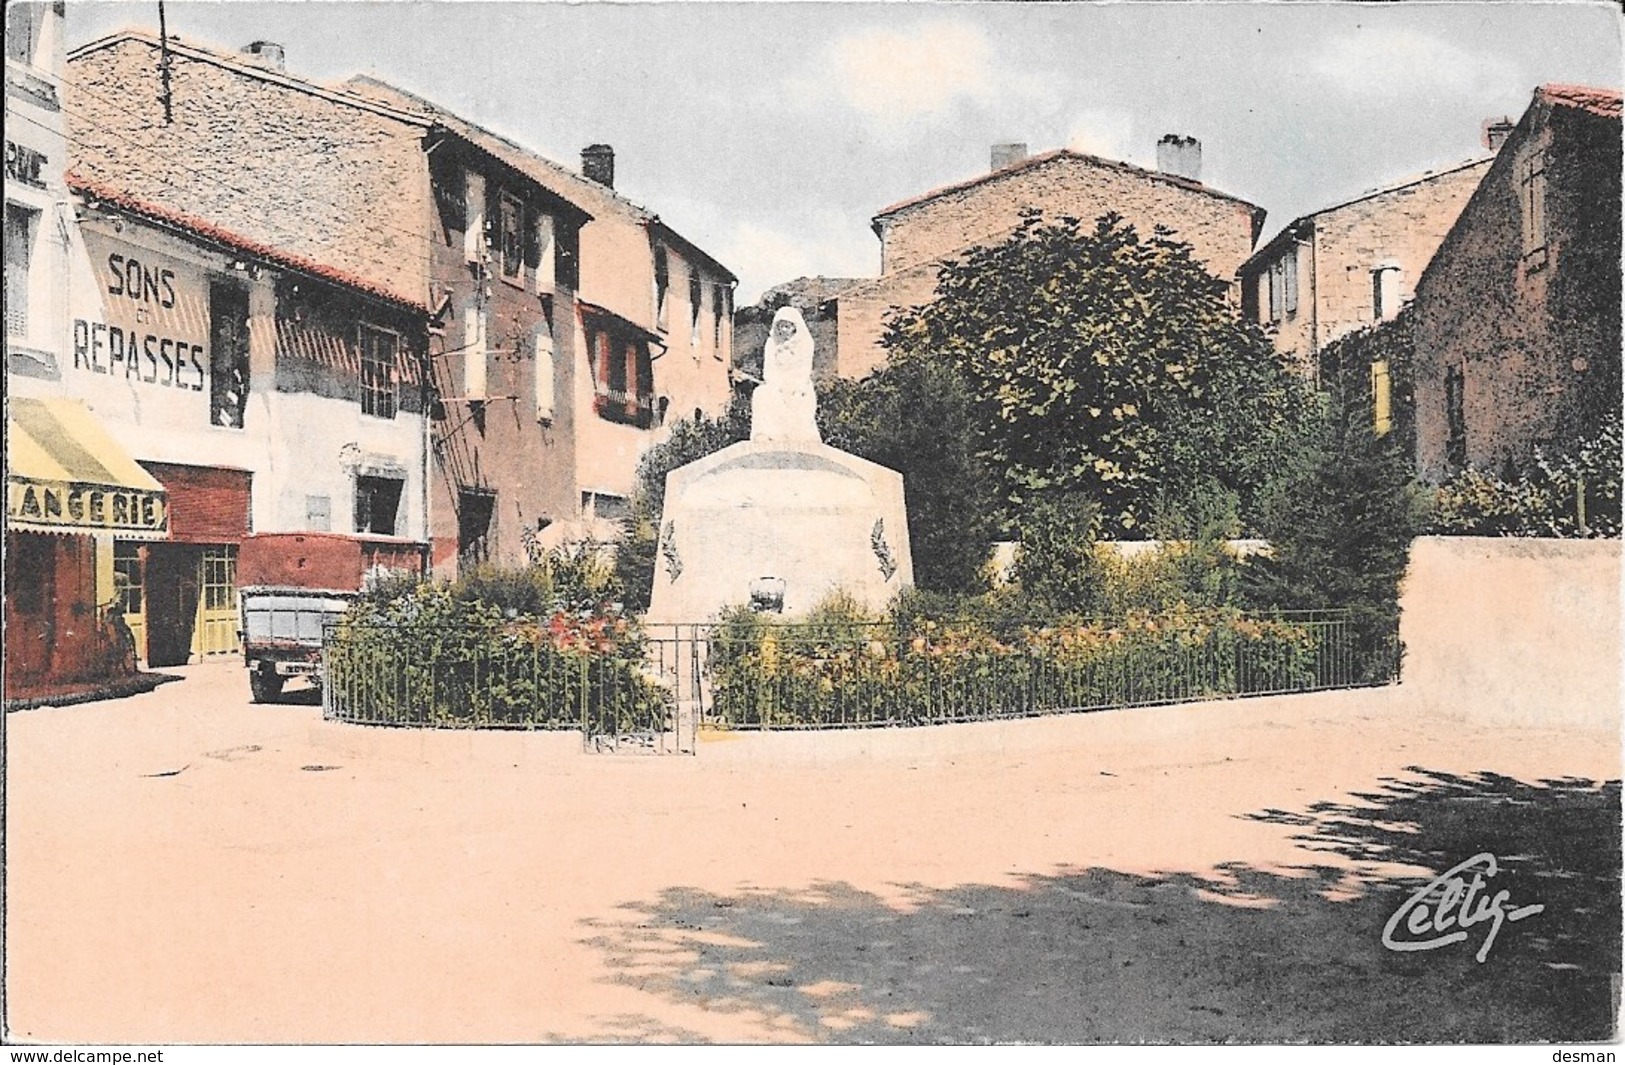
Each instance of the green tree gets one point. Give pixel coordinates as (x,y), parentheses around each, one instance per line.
(1340,519)
(915,417)
(1100,361)
(689,440)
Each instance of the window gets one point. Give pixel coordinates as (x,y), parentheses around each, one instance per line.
(567,259)
(512,215)
(377,501)
(605,506)
(717,314)
(219,578)
(377,372)
(1381,398)
(623,376)
(696,300)
(23,22)
(1532,201)
(228,354)
(130,577)
(662,284)
(20,226)
(449,184)
(1384,293)
(1455,410)
(475,508)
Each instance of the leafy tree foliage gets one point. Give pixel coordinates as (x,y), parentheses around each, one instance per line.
(1101,361)
(689,440)
(915,417)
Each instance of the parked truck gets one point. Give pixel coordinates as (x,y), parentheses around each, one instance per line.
(292,585)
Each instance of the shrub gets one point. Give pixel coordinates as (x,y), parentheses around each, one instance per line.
(1340,520)
(846,669)
(500,648)
(1573,493)
(914,416)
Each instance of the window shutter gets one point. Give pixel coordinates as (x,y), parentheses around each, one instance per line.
(544,374)
(474,352)
(546,254)
(1381,398)
(474,218)
(1289,285)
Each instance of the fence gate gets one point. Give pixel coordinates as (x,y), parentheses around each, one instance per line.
(660,715)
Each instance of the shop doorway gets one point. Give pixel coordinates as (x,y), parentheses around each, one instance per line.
(191,602)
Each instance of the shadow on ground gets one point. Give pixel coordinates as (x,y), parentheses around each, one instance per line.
(1243,955)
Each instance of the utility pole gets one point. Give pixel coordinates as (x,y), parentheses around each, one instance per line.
(163,64)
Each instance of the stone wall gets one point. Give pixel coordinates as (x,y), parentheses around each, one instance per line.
(1402,227)
(261,158)
(1514,631)
(1218,227)
(1536,337)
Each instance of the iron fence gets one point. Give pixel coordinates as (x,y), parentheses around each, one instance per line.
(481,678)
(652,694)
(789,676)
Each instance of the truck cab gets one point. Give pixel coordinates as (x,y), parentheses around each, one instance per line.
(293,585)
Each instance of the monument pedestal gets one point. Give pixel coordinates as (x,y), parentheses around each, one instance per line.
(762,512)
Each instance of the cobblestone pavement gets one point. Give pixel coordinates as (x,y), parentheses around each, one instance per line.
(182,866)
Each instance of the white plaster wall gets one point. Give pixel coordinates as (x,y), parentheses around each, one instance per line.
(1514,631)
(295,444)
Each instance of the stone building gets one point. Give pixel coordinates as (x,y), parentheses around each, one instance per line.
(248,317)
(649,338)
(534,383)
(919,234)
(1356,263)
(1517,318)
(72,492)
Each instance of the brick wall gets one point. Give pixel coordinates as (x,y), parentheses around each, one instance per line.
(1401,228)
(305,175)
(207,504)
(500,446)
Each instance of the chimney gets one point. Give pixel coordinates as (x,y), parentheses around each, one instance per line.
(265,53)
(1008,155)
(598,164)
(1496,131)
(1180,156)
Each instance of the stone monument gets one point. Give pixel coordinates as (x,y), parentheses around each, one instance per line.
(782,519)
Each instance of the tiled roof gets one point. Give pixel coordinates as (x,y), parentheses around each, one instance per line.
(1045,158)
(1604,102)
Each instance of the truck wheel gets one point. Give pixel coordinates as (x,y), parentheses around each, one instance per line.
(264,687)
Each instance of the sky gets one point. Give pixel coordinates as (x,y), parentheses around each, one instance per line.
(770,134)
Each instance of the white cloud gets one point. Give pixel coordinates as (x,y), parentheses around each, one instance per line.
(763,256)
(897,76)
(1388,64)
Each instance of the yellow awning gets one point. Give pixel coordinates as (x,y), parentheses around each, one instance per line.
(64,473)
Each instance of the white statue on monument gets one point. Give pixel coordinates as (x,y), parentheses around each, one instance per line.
(781,520)
(784,406)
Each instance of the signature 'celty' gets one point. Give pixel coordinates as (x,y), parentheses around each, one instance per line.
(1457,904)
